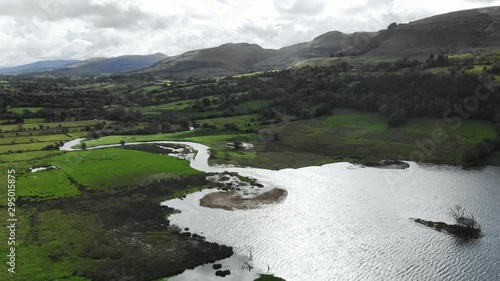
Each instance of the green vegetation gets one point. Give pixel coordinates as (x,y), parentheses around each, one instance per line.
(79,216)
(439,69)
(356,136)
(269,277)
(104,169)
(107,236)
(22,109)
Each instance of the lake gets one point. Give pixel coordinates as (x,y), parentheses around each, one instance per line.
(344,222)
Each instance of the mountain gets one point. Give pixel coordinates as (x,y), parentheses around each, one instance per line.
(452,32)
(226,59)
(37,66)
(460,31)
(456,32)
(111,65)
(230,59)
(334,42)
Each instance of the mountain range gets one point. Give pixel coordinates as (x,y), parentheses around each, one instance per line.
(88,67)
(456,32)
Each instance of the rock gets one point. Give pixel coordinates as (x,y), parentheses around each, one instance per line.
(217,266)
(222,273)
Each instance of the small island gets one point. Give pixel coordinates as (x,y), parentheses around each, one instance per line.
(465,226)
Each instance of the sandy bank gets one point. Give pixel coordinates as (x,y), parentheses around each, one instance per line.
(233,200)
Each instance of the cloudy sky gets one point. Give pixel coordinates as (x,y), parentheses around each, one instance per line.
(79,29)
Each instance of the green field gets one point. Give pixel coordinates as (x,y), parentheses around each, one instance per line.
(152,88)
(35,134)
(478,69)
(22,109)
(243,122)
(436,70)
(252,105)
(103,169)
(355,136)
(106,236)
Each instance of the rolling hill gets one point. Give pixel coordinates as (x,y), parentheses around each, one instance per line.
(449,33)
(456,32)
(111,65)
(452,32)
(37,66)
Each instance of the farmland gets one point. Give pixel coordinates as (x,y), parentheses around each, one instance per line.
(292,118)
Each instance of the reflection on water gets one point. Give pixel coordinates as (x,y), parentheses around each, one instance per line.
(339,223)
(343,222)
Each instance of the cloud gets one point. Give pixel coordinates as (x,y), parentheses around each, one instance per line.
(300,7)
(117,15)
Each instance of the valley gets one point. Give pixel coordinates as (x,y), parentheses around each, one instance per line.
(112,157)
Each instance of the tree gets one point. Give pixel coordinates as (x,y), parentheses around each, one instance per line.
(206,102)
(464,220)
(323,109)
(84,145)
(397,118)
(122,142)
(471,156)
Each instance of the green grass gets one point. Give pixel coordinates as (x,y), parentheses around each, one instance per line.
(198,135)
(25,156)
(109,235)
(152,88)
(436,70)
(53,125)
(157,109)
(350,135)
(33,120)
(240,121)
(102,169)
(268,277)
(251,105)
(478,69)
(253,73)
(23,147)
(462,56)
(34,138)
(21,109)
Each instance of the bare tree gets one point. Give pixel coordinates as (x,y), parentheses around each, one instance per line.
(464,220)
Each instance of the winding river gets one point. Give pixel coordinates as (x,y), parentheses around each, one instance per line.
(343,222)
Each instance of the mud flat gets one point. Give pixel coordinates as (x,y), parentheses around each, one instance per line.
(233,200)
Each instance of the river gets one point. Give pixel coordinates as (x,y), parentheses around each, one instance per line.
(343,222)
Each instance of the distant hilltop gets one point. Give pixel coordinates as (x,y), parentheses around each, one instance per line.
(456,32)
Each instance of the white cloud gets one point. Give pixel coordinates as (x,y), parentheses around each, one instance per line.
(55,29)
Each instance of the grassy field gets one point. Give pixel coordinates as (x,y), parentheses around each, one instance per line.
(51,125)
(355,136)
(22,109)
(104,169)
(35,135)
(241,121)
(476,69)
(106,236)
(152,88)
(436,70)
(252,105)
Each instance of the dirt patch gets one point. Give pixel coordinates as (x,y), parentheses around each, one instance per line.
(233,200)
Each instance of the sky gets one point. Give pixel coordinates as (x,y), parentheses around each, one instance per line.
(34,30)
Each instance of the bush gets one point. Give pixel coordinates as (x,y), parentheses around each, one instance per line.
(463,220)
(397,119)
